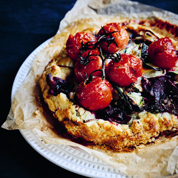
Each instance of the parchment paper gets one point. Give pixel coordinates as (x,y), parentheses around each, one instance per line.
(27,112)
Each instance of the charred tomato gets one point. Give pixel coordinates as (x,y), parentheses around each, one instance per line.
(74,43)
(162,53)
(125,71)
(95,95)
(88,62)
(113,37)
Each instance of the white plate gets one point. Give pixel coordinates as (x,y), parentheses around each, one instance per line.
(67,157)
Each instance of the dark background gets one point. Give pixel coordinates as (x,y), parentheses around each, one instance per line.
(24,25)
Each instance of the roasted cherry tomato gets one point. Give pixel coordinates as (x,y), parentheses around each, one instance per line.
(113,37)
(74,43)
(86,64)
(126,71)
(162,53)
(95,95)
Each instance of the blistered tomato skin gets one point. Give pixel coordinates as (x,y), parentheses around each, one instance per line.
(162,53)
(74,43)
(93,62)
(116,31)
(95,95)
(126,71)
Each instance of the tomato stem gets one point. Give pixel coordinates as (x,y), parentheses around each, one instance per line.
(104,38)
(90,77)
(85,61)
(88,45)
(102,70)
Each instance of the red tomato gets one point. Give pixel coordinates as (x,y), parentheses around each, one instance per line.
(73,44)
(162,53)
(121,37)
(126,71)
(95,95)
(93,62)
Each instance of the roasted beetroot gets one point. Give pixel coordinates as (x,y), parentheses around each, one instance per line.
(58,85)
(160,94)
(113,114)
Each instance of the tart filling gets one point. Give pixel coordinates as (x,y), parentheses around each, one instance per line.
(106,87)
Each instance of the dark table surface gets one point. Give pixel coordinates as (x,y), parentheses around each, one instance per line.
(24,25)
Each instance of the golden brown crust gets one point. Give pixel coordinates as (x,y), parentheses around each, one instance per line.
(81,123)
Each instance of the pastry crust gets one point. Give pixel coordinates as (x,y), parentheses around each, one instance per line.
(145,127)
